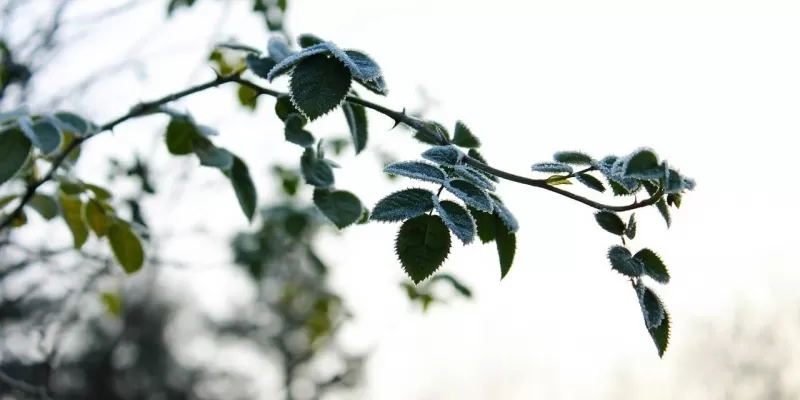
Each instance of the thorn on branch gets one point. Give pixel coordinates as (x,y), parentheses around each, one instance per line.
(398,121)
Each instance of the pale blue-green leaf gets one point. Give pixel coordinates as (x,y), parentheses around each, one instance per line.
(260,66)
(14,113)
(238,47)
(416,170)
(505,215)
(651,305)
(214,157)
(475,177)
(363,67)
(290,62)
(642,163)
(402,205)
(674,181)
(622,261)
(573,158)
(43,134)
(278,49)
(448,155)
(318,85)
(74,123)
(653,265)
(552,167)
(470,194)
(457,219)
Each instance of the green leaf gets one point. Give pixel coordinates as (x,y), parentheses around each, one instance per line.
(7,199)
(46,136)
(71,188)
(248,97)
(475,154)
(213,156)
(630,230)
(318,85)
(19,220)
(356,116)
(126,246)
(45,205)
(315,171)
(653,266)
(610,221)
(660,334)
(260,66)
(506,245)
(558,180)
(453,281)
(651,305)
(99,192)
(674,199)
(622,262)
(180,136)
(462,136)
(14,150)
(618,189)
(239,176)
(573,158)
(113,302)
(422,245)
(457,219)
(307,40)
(71,207)
(95,216)
(643,163)
(294,133)
(485,224)
(340,207)
(470,194)
(402,205)
(591,182)
(284,107)
(662,207)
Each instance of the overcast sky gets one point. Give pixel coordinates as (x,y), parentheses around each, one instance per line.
(713,86)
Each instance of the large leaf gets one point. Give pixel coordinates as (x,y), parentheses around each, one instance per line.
(95,216)
(573,157)
(653,266)
(318,85)
(294,133)
(474,177)
(470,194)
(14,150)
(506,245)
(402,205)
(422,245)
(316,171)
(610,221)
(71,209)
(457,219)
(239,176)
(416,170)
(552,167)
(126,246)
(643,163)
(462,136)
(356,116)
(485,224)
(651,305)
(447,155)
(45,205)
(292,61)
(500,209)
(362,66)
(622,262)
(340,207)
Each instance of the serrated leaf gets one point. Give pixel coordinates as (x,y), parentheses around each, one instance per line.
(474,177)
(316,172)
(126,246)
(485,224)
(377,86)
(284,107)
(591,182)
(416,170)
(505,214)
(248,98)
(653,266)
(674,199)
(660,334)
(356,116)
(307,40)
(290,62)
(663,209)
(340,207)
(45,205)
(113,303)
(243,186)
(294,133)
(180,136)
(618,189)
(14,150)
(402,205)
(422,245)
(475,154)
(573,158)
(447,155)
(610,221)
(470,194)
(630,230)
(95,216)
(71,207)
(673,182)
(651,305)
(552,167)
(363,67)
(622,262)
(453,281)
(558,180)
(506,246)
(258,65)
(462,136)
(643,163)
(457,219)
(318,85)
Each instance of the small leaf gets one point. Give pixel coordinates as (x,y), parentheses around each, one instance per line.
(651,305)
(422,245)
(356,116)
(278,49)
(45,205)
(243,186)
(643,163)
(307,40)
(474,177)
(316,172)
(340,207)
(75,123)
(447,155)
(475,154)
(622,262)
(214,157)
(294,133)
(416,170)
(318,85)
(260,66)
(248,97)
(113,303)
(362,66)
(457,219)
(558,180)
(660,334)
(485,224)
(618,189)
(463,137)
(505,214)
(4,200)
(662,207)
(591,182)
(573,158)
(674,182)
(453,281)
(180,136)
(506,245)
(470,194)
(126,246)
(402,205)
(95,216)
(674,199)
(377,86)
(630,231)
(552,167)
(71,188)
(71,207)
(284,107)
(43,134)
(653,266)
(610,221)
(14,150)
(99,193)
(19,220)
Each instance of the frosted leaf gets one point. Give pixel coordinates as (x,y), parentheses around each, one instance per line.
(402,205)
(673,182)
(552,167)
(261,66)
(364,67)
(610,221)
(377,86)
(643,164)
(622,262)
(653,266)
(470,194)
(290,62)
(689,183)
(307,40)
(505,214)
(630,230)
(315,170)
(416,170)
(318,85)
(278,49)
(573,157)
(468,173)
(474,153)
(457,219)
(652,308)
(356,116)
(590,182)
(448,155)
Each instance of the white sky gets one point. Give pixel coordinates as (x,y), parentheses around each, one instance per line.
(713,86)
